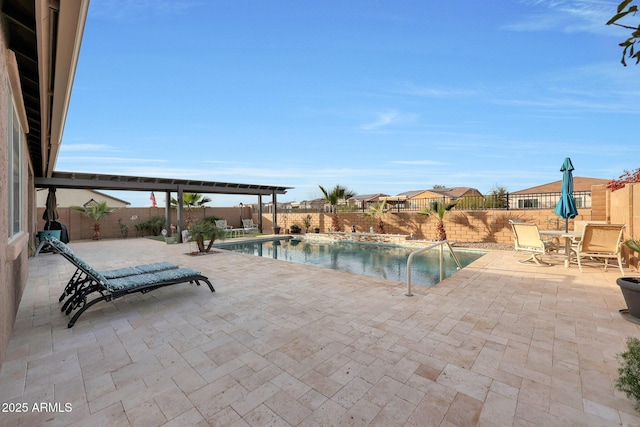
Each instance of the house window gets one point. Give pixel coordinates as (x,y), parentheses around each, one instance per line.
(527,203)
(14,156)
(579,202)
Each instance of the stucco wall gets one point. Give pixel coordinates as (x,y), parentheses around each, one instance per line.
(13,251)
(6,297)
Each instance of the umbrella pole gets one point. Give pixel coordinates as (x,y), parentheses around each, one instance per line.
(567,254)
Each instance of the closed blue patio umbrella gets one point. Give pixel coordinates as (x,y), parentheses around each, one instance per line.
(566,207)
(51,207)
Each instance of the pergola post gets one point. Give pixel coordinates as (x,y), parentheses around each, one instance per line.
(180,214)
(274,212)
(260,213)
(167,211)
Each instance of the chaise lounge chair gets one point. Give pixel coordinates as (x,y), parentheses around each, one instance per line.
(80,278)
(90,281)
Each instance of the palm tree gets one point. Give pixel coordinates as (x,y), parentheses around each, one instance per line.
(378,211)
(200,231)
(190,200)
(439,209)
(336,195)
(96,211)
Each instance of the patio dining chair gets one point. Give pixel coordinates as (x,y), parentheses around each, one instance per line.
(249,226)
(527,239)
(600,243)
(222,224)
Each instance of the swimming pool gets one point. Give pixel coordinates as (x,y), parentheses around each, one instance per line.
(387,262)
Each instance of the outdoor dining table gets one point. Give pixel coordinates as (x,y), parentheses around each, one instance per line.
(567,235)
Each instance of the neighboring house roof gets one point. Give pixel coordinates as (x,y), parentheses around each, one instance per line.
(66,197)
(580,183)
(455,192)
(367,197)
(410,194)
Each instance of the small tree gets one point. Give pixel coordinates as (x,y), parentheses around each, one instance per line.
(439,209)
(625,8)
(378,211)
(306,221)
(203,230)
(624,179)
(339,193)
(96,211)
(498,198)
(190,201)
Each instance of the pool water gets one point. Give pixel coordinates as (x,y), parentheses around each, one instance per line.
(386,262)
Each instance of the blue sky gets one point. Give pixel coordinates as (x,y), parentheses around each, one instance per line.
(376,95)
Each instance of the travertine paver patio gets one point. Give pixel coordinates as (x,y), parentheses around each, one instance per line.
(498,344)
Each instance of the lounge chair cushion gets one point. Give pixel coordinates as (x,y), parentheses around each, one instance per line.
(175,274)
(156,266)
(132,282)
(65,250)
(138,269)
(150,279)
(121,272)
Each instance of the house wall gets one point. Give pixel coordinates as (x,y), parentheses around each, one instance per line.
(14,250)
(77,197)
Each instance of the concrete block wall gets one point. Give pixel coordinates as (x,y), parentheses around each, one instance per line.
(624,208)
(462,226)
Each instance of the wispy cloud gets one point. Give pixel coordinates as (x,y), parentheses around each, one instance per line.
(436,92)
(104,159)
(86,147)
(386,119)
(131,11)
(417,162)
(570,16)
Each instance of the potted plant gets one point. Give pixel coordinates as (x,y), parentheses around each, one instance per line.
(628,379)
(295,229)
(630,286)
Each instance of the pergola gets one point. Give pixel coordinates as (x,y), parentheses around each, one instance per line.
(168,185)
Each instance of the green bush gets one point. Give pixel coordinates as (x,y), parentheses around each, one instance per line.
(152,226)
(211,219)
(629,371)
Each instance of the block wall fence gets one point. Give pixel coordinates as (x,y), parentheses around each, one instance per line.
(621,206)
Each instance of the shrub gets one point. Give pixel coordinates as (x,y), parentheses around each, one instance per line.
(629,371)
(211,219)
(153,226)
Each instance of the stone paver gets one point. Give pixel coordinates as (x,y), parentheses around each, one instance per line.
(497,344)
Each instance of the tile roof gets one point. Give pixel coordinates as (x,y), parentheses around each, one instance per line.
(580,183)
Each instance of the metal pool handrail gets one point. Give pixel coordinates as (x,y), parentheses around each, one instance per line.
(419,251)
